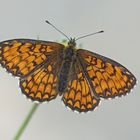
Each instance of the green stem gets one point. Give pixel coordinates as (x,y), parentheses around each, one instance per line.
(25,122)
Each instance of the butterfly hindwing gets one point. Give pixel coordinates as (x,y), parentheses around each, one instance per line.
(108,78)
(78,95)
(41,85)
(21,56)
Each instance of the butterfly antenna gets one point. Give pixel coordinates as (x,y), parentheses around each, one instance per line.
(57,29)
(89,35)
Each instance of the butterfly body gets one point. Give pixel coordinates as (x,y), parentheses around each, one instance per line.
(47,68)
(69,55)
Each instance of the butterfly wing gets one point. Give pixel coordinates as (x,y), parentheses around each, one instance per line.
(22,56)
(37,63)
(41,85)
(79,96)
(107,77)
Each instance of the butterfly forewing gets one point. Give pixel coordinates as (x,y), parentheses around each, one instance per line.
(79,95)
(22,56)
(107,77)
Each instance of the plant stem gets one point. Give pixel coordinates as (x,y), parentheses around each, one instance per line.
(26,121)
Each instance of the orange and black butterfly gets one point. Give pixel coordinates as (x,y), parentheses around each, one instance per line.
(81,77)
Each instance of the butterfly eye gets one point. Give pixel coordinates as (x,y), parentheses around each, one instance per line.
(72,43)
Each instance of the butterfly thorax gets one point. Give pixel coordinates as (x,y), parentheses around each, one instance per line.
(68,59)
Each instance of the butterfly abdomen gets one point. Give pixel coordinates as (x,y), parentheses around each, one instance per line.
(65,69)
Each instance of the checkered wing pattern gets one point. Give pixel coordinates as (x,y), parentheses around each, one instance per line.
(22,56)
(108,78)
(37,63)
(79,96)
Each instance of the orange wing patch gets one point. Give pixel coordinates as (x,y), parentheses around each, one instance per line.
(109,78)
(79,95)
(21,56)
(41,85)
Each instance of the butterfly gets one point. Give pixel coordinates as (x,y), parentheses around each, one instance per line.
(48,69)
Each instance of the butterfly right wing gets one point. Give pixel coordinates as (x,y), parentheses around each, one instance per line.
(79,96)
(107,77)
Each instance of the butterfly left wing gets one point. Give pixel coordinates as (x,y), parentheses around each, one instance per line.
(22,56)
(41,85)
(36,62)
(79,96)
(107,77)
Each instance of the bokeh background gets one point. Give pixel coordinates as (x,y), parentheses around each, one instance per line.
(113,119)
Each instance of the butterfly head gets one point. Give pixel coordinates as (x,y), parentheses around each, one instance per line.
(72,43)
